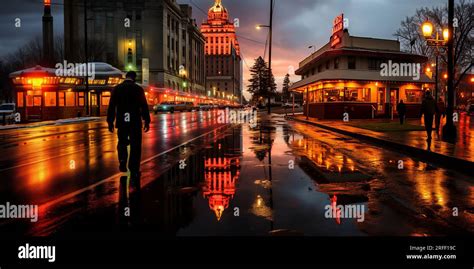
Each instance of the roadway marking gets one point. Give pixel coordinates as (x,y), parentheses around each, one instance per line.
(90,187)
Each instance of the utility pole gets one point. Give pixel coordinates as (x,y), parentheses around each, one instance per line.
(270,59)
(86,60)
(449,130)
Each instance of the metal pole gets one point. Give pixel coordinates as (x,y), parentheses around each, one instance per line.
(449,130)
(270,59)
(436,79)
(86,60)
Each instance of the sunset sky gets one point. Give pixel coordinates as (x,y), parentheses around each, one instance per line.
(298,24)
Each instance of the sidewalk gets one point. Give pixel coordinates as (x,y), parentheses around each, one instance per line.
(459,156)
(45,123)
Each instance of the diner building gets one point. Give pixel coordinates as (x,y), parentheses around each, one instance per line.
(364,77)
(42,95)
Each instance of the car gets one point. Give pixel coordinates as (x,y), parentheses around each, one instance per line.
(290,105)
(174,107)
(205,107)
(7,112)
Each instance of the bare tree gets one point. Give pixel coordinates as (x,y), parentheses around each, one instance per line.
(411,36)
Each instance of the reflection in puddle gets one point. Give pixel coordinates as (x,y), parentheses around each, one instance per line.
(260,209)
(221,175)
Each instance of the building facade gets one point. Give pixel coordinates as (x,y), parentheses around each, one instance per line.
(43,95)
(223,60)
(158,39)
(364,77)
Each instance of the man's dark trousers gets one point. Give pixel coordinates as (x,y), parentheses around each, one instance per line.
(130,135)
(429,124)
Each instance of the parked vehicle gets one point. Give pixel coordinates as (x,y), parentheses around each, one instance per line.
(7,113)
(290,105)
(205,107)
(173,107)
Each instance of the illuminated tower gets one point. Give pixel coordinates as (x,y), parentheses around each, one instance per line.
(223,60)
(48,40)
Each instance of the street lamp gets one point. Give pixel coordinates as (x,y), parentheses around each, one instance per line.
(449,130)
(270,27)
(437,43)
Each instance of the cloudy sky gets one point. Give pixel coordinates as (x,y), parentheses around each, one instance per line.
(298,24)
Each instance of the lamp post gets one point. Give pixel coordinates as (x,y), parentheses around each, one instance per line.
(437,43)
(270,27)
(449,130)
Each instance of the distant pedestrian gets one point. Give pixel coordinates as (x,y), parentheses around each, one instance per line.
(402,111)
(440,113)
(428,109)
(127,107)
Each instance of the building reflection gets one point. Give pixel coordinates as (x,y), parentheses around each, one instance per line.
(222,171)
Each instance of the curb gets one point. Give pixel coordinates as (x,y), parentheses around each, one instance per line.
(49,123)
(445,161)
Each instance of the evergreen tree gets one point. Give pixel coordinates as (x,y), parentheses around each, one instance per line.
(259,82)
(286,88)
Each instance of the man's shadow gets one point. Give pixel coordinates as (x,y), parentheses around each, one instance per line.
(129,210)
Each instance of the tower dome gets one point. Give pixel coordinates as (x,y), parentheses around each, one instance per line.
(218,11)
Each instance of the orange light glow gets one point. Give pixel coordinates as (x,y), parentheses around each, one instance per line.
(428,69)
(445,76)
(36,82)
(47,3)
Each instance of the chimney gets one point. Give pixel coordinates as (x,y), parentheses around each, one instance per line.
(48,39)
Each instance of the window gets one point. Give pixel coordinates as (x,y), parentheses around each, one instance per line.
(70,99)
(19,99)
(81,98)
(327,65)
(336,63)
(351,62)
(105,99)
(374,64)
(413,96)
(50,99)
(358,94)
(61,98)
(320,68)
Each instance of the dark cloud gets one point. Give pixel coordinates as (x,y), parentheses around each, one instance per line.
(298,23)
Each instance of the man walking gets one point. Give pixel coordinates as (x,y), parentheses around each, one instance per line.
(440,113)
(127,108)
(428,109)
(402,111)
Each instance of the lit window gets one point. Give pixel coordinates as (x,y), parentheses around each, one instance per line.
(105,98)
(50,98)
(70,99)
(19,99)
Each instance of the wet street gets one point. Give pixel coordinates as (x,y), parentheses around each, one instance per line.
(202,178)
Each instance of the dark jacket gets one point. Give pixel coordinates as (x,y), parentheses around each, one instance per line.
(401,108)
(129,98)
(428,106)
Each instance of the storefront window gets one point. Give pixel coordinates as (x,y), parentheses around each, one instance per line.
(70,99)
(105,98)
(333,95)
(413,96)
(81,98)
(50,98)
(19,99)
(358,94)
(61,96)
